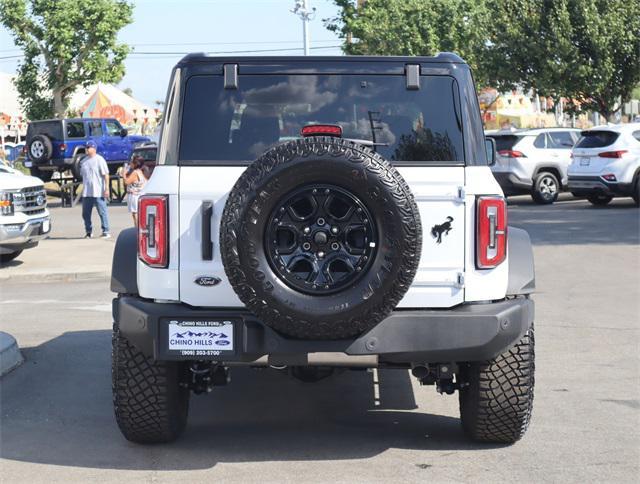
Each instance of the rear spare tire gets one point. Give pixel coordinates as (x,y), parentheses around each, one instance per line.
(321,238)
(40,148)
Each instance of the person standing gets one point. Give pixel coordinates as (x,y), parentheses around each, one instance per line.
(95,189)
(134,179)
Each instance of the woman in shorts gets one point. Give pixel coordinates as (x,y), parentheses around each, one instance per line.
(134,180)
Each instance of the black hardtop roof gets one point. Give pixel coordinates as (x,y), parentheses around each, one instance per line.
(72,119)
(440,58)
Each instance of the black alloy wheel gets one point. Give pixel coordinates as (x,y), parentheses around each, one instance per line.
(320,239)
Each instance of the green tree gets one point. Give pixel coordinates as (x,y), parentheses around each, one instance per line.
(585,50)
(414,27)
(66,44)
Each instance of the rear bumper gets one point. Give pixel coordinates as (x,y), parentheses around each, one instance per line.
(470,332)
(587,185)
(52,164)
(511,184)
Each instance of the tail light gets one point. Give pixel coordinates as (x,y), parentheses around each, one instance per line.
(491,238)
(153,230)
(63,147)
(511,154)
(612,154)
(610,177)
(321,130)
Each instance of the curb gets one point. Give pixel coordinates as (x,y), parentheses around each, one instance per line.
(55,276)
(10,356)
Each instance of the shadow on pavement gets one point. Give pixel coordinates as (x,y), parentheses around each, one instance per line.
(12,263)
(56,409)
(577,222)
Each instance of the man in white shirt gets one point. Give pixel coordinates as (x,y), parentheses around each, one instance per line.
(95,189)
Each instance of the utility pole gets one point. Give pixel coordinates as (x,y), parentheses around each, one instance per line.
(301,9)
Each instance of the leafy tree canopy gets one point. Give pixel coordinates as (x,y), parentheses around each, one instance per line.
(586,50)
(66,44)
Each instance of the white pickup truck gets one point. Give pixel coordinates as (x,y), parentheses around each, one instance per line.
(24,218)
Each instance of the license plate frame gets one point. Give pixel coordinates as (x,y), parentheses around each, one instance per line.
(207,338)
(585,161)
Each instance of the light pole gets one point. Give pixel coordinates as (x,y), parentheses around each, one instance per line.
(302,10)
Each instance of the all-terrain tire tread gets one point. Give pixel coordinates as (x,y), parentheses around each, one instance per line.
(497,404)
(149,404)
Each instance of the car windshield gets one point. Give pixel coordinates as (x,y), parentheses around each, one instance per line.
(239,124)
(597,139)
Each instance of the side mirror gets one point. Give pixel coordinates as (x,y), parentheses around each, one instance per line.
(123,132)
(490,149)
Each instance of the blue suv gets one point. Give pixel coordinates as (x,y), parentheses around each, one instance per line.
(59,144)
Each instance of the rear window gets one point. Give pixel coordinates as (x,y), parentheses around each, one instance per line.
(505,142)
(221,125)
(597,139)
(53,129)
(147,154)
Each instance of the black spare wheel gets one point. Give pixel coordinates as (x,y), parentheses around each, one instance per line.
(40,148)
(321,238)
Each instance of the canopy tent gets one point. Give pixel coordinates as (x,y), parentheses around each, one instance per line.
(107,101)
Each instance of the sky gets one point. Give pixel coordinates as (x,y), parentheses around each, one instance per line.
(172,28)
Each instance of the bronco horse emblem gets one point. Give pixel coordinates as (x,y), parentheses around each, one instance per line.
(443,228)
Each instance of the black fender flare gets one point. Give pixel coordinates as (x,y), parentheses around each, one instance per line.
(522,277)
(125,259)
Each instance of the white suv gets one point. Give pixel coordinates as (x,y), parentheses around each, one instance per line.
(533,161)
(606,164)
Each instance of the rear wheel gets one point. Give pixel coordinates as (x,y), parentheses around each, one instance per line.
(636,192)
(76,165)
(4,258)
(150,404)
(545,188)
(497,403)
(40,148)
(599,200)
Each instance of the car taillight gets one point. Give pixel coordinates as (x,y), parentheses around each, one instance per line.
(321,130)
(63,147)
(609,177)
(612,154)
(153,230)
(491,237)
(511,154)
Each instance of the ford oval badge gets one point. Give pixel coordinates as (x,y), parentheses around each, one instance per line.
(208,281)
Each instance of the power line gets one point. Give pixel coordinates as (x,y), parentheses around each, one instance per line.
(135,54)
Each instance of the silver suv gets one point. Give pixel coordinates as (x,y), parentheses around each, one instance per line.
(533,161)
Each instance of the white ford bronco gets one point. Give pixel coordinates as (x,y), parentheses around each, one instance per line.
(317,213)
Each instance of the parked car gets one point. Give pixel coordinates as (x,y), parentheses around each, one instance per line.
(317,216)
(606,164)
(533,161)
(59,144)
(24,217)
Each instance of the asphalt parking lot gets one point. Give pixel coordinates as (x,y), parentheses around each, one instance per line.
(58,426)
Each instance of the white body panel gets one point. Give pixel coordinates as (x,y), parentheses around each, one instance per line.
(481,285)
(163,284)
(446,276)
